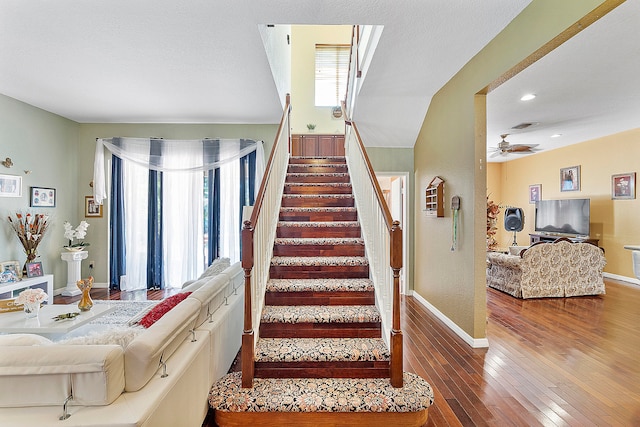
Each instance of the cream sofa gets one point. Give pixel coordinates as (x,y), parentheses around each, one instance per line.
(558,269)
(161,378)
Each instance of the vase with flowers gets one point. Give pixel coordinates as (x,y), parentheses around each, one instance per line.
(31,300)
(30,229)
(78,233)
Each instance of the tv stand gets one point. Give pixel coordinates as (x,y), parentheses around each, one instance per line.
(535,238)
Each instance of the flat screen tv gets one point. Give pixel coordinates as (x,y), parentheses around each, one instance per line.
(568,216)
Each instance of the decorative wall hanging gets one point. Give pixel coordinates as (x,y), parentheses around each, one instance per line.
(623,186)
(43,197)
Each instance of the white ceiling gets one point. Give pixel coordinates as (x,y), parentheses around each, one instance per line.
(203,61)
(587,88)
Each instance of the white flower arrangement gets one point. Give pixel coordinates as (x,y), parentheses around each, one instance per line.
(78,233)
(31,296)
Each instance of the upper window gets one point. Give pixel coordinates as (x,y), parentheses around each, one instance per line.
(332,67)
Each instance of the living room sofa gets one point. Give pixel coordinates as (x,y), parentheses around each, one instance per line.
(161,378)
(558,269)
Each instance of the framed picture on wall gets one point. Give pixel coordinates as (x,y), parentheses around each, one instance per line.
(91,208)
(43,197)
(10,186)
(535,193)
(623,186)
(570,179)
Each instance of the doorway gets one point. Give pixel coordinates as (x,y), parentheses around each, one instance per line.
(394,189)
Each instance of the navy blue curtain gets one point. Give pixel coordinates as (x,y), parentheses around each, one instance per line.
(247,184)
(212,226)
(117,264)
(155,260)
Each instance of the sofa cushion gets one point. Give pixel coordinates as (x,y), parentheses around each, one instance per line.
(159,341)
(23,340)
(46,375)
(161,309)
(217,266)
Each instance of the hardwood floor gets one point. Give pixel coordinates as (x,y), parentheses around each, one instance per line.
(550,362)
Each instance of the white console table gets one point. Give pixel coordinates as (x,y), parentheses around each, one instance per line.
(45,282)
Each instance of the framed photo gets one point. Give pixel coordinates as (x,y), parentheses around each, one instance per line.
(34,269)
(13,267)
(43,197)
(623,186)
(10,186)
(91,208)
(535,193)
(570,179)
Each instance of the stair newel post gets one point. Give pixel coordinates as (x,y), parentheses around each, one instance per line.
(396,368)
(247,355)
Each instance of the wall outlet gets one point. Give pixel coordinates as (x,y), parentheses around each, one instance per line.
(92,264)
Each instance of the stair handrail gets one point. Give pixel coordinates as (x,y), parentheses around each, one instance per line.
(372,208)
(258,234)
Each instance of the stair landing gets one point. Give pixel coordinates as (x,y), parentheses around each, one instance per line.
(320,402)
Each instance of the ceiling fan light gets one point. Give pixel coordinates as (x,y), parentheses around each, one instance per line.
(528,97)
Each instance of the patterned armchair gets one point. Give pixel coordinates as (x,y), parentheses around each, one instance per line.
(558,269)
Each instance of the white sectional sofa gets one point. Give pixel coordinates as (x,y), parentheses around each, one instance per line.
(194,344)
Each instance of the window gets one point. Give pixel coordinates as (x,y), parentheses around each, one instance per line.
(332,68)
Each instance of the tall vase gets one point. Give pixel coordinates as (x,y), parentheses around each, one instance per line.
(85,285)
(31,255)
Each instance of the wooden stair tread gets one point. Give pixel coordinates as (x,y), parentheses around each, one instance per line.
(301,285)
(290,350)
(321,314)
(335,394)
(318,241)
(341,261)
(318,224)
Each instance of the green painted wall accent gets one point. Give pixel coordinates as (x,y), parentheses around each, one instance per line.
(45,144)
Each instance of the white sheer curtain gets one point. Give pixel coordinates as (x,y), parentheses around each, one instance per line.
(136,183)
(182,163)
(230,213)
(182,216)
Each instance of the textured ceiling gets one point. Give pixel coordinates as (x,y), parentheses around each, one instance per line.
(204,61)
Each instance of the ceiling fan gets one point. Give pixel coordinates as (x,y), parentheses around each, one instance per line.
(504,148)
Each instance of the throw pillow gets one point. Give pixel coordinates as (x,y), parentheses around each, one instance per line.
(217,266)
(161,309)
(116,336)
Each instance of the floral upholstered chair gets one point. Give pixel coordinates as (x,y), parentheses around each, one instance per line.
(558,269)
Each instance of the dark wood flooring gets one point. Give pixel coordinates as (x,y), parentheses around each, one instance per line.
(550,362)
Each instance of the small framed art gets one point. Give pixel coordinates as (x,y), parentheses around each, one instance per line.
(10,186)
(535,193)
(34,269)
(623,186)
(91,208)
(570,179)
(13,267)
(43,197)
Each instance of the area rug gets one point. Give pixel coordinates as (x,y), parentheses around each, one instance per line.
(126,313)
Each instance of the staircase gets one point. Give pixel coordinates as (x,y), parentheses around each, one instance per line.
(320,358)
(320,318)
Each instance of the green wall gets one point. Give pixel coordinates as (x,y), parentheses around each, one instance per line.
(46,145)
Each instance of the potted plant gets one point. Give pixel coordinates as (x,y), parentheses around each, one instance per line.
(311,127)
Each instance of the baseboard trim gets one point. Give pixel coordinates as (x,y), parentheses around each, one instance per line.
(58,291)
(620,278)
(473,342)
